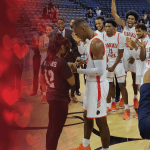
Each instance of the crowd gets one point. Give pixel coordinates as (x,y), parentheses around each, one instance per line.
(61,55)
(50,12)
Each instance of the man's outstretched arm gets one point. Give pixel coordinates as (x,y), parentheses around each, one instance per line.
(115,15)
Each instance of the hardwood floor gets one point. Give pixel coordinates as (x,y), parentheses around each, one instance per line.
(124,133)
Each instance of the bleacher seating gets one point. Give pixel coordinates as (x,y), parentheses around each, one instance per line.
(32,12)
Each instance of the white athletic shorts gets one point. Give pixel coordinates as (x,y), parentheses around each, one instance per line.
(95,96)
(139,79)
(128,66)
(140,69)
(120,74)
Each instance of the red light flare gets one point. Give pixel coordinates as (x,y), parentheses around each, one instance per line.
(13,14)
(7,54)
(1,70)
(13,10)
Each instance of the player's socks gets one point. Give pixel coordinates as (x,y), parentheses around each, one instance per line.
(135,96)
(86,142)
(136,103)
(126,106)
(44,93)
(109,105)
(108,108)
(105,148)
(113,100)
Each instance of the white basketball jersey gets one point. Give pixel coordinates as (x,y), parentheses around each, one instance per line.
(131,33)
(45,44)
(140,65)
(112,45)
(99,33)
(90,63)
(148,54)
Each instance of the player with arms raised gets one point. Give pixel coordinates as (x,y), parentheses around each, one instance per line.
(129,31)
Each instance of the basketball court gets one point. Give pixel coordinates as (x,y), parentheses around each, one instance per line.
(31,134)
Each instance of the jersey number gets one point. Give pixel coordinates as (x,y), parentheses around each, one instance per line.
(51,79)
(110,51)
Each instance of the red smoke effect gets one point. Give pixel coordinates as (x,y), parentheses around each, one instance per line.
(10,12)
(13,9)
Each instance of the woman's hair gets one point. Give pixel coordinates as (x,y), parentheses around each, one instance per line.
(55,43)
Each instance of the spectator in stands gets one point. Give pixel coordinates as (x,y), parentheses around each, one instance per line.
(36,57)
(50,5)
(144,107)
(98,12)
(72,55)
(89,17)
(147,25)
(141,20)
(148,16)
(46,12)
(54,14)
(145,16)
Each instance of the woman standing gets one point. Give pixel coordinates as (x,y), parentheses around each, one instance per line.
(56,74)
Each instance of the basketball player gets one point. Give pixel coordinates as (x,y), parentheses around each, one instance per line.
(99,30)
(99,25)
(56,74)
(129,31)
(139,61)
(97,85)
(141,36)
(114,43)
(144,54)
(43,47)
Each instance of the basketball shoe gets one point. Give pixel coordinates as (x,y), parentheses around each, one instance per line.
(126,114)
(109,111)
(136,103)
(136,110)
(43,101)
(121,103)
(136,116)
(80,147)
(113,106)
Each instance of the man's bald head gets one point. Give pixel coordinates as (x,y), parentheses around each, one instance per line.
(80,23)
(81,28)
